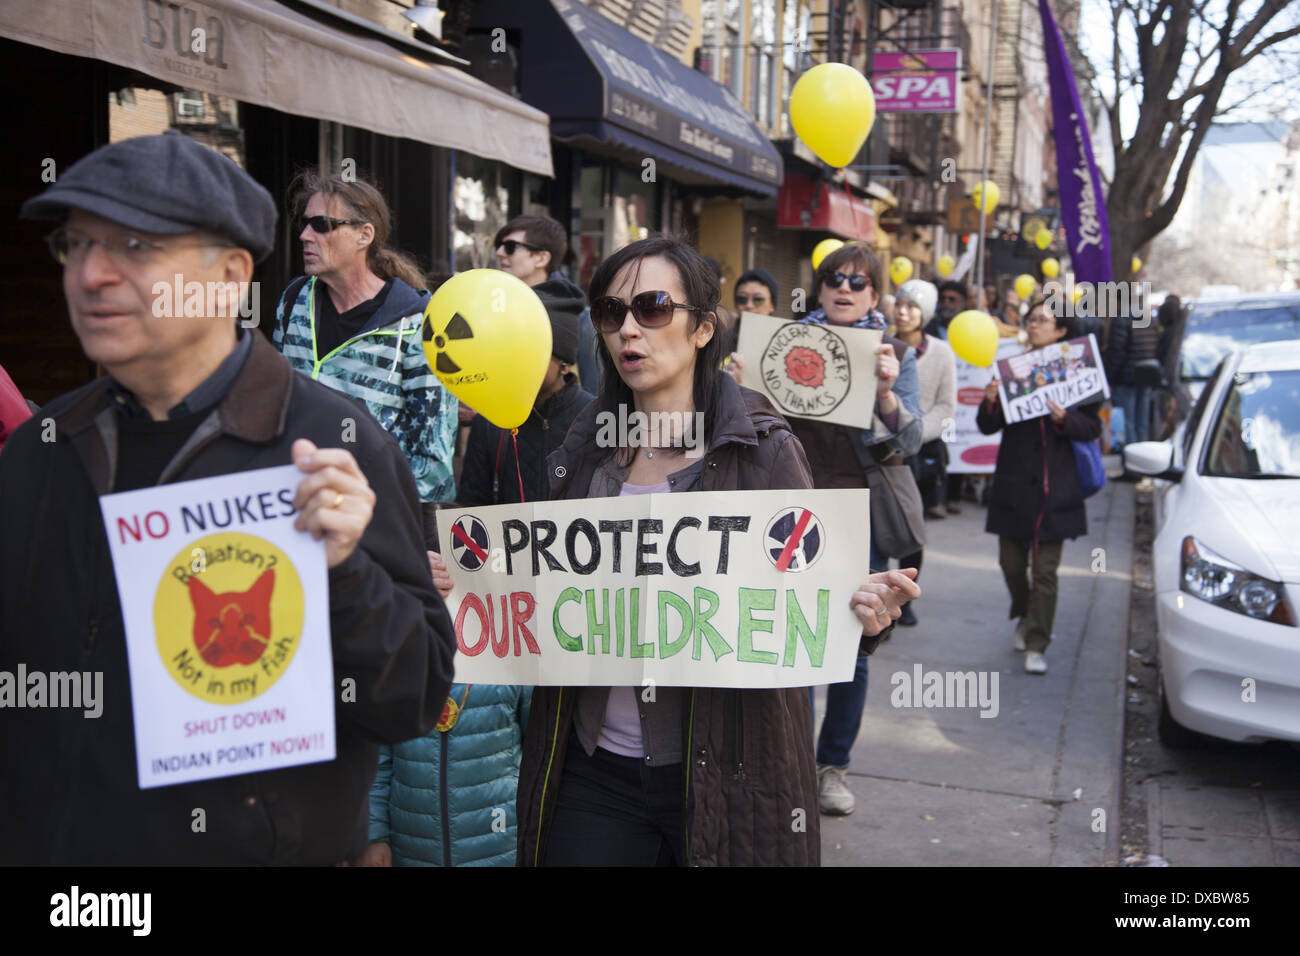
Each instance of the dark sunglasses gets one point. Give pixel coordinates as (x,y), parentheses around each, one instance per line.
(323,224)
(510,245)
(746,299)
(856,282)
(652,310)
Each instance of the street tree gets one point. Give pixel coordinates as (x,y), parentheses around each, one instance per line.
(1184,64)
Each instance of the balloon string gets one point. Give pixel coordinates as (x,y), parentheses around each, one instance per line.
(514,440)
(853,207)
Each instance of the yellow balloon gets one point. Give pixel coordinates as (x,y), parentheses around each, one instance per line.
(824,249)
(974,337)
(1078,292)
(900,270)
(985,196)
(1043,238)
(945,265)
(488,339)
(1136,264)
(832,110)
(1024,285)
(1051,268)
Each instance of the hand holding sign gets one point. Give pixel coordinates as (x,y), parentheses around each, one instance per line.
(334,500)
(1057,412)
(879,602)
(887,369)
(441,579)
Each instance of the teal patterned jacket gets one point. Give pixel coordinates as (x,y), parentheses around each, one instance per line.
(397,386)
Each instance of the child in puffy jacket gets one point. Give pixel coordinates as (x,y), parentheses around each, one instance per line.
(448,799)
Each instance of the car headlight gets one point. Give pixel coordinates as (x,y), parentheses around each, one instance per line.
(1213,578)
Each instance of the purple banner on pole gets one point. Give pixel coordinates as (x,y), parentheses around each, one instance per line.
(1083,208)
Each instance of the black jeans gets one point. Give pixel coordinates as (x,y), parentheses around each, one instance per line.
(616,811)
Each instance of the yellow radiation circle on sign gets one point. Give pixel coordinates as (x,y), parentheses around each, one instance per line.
(228,617)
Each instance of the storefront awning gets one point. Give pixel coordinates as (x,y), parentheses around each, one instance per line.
(265,53)
(805,204)
(601,85)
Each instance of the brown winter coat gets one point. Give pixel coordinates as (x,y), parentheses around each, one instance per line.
(750,777)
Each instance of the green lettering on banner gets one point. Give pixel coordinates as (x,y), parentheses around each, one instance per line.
(567,640)
(751,600)
(594,629)
(669,648)
(638,649)
(797,629)
(717,643)
(620,618)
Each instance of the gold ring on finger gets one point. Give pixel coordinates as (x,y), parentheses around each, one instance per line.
(338,500)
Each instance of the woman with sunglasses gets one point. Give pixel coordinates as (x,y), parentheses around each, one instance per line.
(1036,502)
(604,776)
(848,282)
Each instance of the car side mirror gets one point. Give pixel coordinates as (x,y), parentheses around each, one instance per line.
(1148,374)
(1154,458)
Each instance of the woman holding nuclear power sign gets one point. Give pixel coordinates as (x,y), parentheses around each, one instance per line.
(608,778)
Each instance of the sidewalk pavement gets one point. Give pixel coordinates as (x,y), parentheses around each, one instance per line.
(1039,783)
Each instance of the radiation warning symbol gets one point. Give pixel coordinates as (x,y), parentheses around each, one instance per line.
(794,540)
(469,543)
(457,329)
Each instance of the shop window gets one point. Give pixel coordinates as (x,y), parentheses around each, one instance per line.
(486,194)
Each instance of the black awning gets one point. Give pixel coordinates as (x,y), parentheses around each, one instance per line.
(596,80)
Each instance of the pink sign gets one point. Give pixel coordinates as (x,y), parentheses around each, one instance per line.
(918,81)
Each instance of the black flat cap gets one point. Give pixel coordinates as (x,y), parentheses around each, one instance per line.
(165,184)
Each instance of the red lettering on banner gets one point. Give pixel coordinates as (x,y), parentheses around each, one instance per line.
(524,605)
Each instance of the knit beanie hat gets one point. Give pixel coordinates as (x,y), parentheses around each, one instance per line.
(564,304)
(922,293)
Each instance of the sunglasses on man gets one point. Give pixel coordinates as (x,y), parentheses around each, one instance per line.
(748,299)
(652,310)
(510,245)
(856,282)
(325,224)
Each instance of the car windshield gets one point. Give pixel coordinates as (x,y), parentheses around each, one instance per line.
(1258,431)
(1215,330)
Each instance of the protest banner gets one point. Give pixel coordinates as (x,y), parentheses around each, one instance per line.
(697,589)
(227,626)
(1068,373)
(823,372)
(970,452)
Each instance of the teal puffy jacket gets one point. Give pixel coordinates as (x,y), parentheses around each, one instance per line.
(466,815)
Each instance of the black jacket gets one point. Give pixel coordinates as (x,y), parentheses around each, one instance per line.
(1036,484)
(491,472)
(68,790)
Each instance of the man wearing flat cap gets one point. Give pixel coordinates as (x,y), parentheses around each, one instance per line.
(190,396)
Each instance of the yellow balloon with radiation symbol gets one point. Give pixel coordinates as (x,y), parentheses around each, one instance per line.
(1136,264)
(985,195)
(900,270)
(1024,285)
(974,337)
(1051,268)
(824,249)
(832,110)
(1043,238)
(488,339)
(945,265)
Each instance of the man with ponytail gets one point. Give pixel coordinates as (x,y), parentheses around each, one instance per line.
(354,320)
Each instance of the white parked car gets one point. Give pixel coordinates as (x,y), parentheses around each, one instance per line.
(1227,553)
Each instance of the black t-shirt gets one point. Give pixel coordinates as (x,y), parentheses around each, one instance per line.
(333,328)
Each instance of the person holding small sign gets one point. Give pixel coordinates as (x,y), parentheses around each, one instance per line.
(193,396)
(660,775)
(1036,502)
(872,456)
